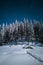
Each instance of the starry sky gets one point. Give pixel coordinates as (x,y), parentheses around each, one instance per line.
(10,10)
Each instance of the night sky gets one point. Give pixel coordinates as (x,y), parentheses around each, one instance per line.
(10,10)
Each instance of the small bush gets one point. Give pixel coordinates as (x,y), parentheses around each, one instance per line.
(29,47)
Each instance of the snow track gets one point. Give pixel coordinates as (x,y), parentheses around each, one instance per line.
(36,57)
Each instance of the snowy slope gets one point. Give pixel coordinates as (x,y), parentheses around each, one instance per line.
(16,55)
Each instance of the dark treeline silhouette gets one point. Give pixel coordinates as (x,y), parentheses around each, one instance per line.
(21,31)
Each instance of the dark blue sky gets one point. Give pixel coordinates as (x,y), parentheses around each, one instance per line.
(10,10)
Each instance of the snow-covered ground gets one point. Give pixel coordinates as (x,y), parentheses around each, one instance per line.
(16,55)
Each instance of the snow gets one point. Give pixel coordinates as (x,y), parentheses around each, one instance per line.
(16,55)
(37,51)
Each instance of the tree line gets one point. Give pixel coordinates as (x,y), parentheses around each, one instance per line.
(26,30)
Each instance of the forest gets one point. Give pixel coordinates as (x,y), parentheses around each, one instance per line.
(26,30)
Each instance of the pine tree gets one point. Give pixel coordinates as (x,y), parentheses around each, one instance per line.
(31,30)
(26,29)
